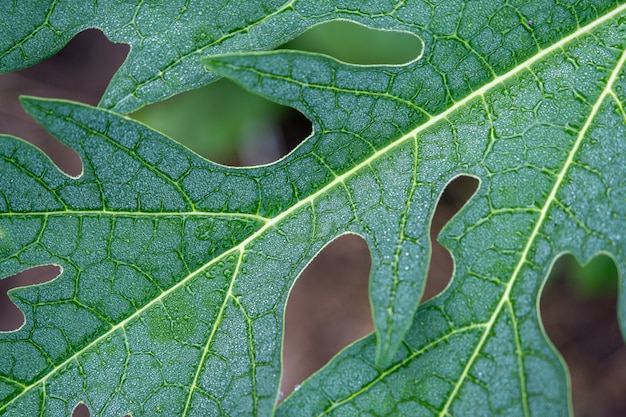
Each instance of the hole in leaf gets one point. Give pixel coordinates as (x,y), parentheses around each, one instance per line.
(328,308)
(227,124)
(80,71)
(455,195)
(578,309)
(81,410)
(11,318)
(357,44)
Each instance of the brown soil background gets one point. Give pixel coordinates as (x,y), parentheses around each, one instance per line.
(329,307)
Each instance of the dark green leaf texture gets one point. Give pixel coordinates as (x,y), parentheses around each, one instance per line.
(176,270)
(168,38)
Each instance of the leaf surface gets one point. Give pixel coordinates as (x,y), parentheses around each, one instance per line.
(176,270)
(546,140)
(168,38)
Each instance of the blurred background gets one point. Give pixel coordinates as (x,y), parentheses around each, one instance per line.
(233,127)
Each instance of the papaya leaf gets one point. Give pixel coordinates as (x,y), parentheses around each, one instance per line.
(546,141)
(167,38)
(175,270)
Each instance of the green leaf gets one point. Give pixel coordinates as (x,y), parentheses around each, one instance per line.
(176,270)
(546,140)
(168,38)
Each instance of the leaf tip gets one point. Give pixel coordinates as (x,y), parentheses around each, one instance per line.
(31,104)
(215,63)
(27,101)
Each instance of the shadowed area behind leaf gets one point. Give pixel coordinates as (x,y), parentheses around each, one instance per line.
(228,125)
(81,410)
(328,308)
(579,312)
(454,197)
(80,71)
(11,318)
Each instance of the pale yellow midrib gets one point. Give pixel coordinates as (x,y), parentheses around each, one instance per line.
(338,179)
(146,214)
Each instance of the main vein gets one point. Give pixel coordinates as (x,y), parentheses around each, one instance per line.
(535,232)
